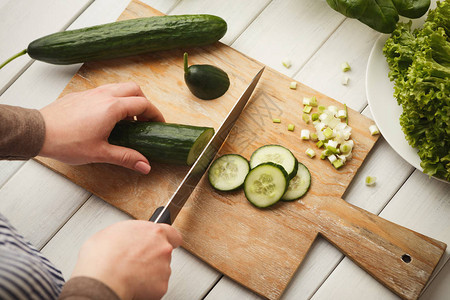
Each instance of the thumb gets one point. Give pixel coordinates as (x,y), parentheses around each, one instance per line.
(127,158)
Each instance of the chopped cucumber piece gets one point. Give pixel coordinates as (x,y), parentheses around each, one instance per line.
(276,154)
(299,185)
(304,134)
(370,180)
(228,172)
(345,80)
(345,67)
(338,163)
(333,109)
(266,184)
(307,109)
(374,129)
(293,85)
(341,114)
(332,158)
(310,152)
(345,147)
(306,118)
(328,132)
(287,63)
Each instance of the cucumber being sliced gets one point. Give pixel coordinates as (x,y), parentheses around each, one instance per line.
(266,184)
(228,172)
(276,154)
(299,185)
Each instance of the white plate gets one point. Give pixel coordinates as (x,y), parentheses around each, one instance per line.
(385,110)
(380,95)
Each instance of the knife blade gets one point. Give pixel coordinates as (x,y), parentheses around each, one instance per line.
(168,213)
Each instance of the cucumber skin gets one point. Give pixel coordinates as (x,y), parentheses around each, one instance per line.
(309,174)
(206,82)
(160,142)
(126,38)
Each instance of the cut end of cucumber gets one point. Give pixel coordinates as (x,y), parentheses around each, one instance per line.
(199,145)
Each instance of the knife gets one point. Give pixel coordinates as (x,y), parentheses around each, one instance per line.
(168,213)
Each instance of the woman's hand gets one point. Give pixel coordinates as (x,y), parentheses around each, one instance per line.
(78,125)
(131,257)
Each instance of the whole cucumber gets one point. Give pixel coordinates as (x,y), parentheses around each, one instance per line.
(126,38)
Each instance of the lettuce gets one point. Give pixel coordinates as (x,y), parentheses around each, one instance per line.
(419,64)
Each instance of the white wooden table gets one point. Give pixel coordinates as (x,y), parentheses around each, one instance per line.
(57,216)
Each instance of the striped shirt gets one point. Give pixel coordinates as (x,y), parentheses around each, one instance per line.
(24,272)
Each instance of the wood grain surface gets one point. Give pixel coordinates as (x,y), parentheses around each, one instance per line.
(260,249)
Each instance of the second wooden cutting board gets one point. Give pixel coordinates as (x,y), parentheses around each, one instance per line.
(260,249)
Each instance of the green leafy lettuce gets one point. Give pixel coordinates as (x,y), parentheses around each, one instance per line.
(419,63)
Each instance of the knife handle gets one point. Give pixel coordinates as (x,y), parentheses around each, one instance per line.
(165,217)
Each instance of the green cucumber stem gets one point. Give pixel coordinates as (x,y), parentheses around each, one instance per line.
(185,57)
(13,57)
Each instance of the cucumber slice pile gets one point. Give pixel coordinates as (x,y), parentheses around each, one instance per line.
(273,174)
(228,172)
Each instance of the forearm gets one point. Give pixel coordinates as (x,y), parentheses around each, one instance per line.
(22,132)
(86,288)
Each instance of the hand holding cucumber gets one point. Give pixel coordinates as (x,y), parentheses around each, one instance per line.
(78,125)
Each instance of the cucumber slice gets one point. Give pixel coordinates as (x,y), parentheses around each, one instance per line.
(299,185)
(266,184)
(228,172)
(276,154)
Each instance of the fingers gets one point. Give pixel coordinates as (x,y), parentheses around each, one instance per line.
(125,157)
(140,107)
(173,236)
(124,89)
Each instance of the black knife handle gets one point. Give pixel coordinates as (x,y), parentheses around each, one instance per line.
(165,218)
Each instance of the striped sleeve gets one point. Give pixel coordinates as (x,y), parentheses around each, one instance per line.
(24,272)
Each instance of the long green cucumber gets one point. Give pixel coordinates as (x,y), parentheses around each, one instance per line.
(162,142)
(126,38)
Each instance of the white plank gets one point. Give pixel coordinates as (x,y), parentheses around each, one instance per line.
(23,21)
(227,289)
(352,43)
(288,29)
(92,217)
(7,169)
(238,14)
(37,201)
(439,287)
(422,204)
(191,278)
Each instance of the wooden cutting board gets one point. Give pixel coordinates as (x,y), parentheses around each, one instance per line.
(259,248)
